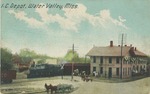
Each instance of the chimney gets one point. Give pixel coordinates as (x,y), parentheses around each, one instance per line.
(135,48)
(111,43)
(131,51)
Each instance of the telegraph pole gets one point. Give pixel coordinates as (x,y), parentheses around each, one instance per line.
(62,70)
(121,55)
(72,62)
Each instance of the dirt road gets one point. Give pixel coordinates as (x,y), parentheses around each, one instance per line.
(36,86)
(136,87)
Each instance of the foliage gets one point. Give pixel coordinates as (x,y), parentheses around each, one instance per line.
(26,59)
(74,57)
(27,55)
(71,56)
(16,59)
(6,59)
(32,54)
(41,61)
(84,60)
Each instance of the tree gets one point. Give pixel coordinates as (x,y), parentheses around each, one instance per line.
(84,60)
(16,59)
(72,56)
(26,59)
(27,53)
(41,61)
(6,59)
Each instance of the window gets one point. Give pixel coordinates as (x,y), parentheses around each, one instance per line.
(141,68)
(110,72)
(110,60)
(101,59)
(101,70)
(125,71)
(94,59)
(134,67)
(94,68)
(117,71)
(129,70)
(117,60)
(137,67)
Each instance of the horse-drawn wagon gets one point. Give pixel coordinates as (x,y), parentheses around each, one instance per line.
(60,88)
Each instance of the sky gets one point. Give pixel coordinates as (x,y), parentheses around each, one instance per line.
(53,30)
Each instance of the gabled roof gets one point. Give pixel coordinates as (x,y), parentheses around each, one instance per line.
(114,51)
(137,53)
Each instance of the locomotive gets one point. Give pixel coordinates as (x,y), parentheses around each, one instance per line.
(50,70)
(44,70)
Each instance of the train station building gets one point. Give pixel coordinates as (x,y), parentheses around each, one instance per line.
(117,61)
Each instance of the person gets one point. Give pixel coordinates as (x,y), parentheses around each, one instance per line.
(95,73)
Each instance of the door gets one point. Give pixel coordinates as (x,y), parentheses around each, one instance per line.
(110,73)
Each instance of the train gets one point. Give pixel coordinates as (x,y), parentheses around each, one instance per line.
(44,70)
(76,66)
(50,70)
(7,76)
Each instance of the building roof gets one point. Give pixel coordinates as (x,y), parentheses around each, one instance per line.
(138,53)
(114,51)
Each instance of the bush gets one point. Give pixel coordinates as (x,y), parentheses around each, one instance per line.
(6,59)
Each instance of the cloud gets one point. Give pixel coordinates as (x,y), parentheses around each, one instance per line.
(21,15)
(121,19)
(104,18)
(71,19)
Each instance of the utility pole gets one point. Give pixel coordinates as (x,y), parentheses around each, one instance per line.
(62,70)
(72,62)
(121,55)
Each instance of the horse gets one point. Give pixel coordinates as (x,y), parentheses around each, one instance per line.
(47,87)
(53,88)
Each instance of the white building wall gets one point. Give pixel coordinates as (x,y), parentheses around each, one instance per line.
(127,67)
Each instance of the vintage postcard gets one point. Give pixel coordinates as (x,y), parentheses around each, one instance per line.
(75,46)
